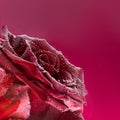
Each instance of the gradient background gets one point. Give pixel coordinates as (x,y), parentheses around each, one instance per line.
(87,32)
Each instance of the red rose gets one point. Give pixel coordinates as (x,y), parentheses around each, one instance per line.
(35,68)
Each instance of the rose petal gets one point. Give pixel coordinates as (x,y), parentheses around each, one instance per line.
(21,93)
(7,107)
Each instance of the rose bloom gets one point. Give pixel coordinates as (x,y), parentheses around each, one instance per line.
(37,81)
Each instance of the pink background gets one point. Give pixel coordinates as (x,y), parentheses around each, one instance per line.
(87,32)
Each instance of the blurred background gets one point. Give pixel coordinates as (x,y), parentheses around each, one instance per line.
(88,34)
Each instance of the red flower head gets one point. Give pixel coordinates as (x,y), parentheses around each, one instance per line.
(33,72)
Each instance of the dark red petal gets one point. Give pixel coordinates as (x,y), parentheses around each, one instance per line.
(29,69)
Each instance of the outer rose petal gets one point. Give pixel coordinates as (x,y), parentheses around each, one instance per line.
(7,105)
(23,110)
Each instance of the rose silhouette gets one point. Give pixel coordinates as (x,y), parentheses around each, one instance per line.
(37,69)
